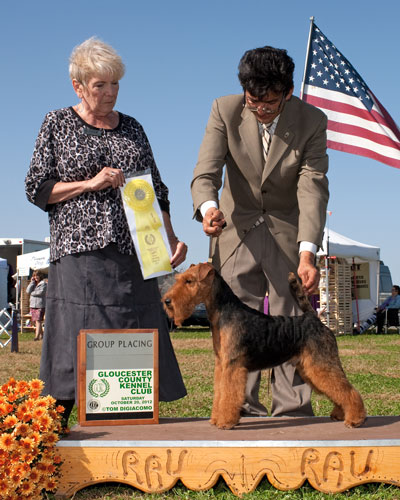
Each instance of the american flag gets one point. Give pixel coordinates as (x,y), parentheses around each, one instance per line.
(357,121)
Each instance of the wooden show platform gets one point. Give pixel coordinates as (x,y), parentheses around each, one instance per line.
(288,451)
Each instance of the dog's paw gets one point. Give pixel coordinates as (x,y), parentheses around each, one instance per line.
(226,425)
(213,421)
(337,414)
(355,421)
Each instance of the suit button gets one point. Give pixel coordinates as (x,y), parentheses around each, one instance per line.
(263,192)
(264,211)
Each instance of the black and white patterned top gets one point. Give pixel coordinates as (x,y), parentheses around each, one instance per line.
(68,149)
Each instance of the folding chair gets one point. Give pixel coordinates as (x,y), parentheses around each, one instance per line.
(5,322)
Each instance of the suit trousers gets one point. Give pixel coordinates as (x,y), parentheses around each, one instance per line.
(256,267)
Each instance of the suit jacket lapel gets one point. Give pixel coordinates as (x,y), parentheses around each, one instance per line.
(281,139)
(249,133)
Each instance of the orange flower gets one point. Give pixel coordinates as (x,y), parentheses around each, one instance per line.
(36,384)
(21,410)
(27,417)
(27,458)
(35,426)
(12,382)
(51,468)
(60,409)
(40,466)
(6,441)
(12,398)
(22,386)
(42,403)
(50,439)
(38,412)
(5,409)
(26,487)
(50,401)
(10,421)
(45,422)
(34,475)
(15,457)
(15,479)
(22,429)
(30,404)
(26,443)
(3,486)
(28,463)
(35,436)
(50,484)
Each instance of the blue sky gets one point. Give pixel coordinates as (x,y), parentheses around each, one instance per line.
(179,56)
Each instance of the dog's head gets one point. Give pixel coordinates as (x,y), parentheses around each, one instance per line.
(190,288)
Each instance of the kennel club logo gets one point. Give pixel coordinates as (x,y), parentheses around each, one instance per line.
(99,388)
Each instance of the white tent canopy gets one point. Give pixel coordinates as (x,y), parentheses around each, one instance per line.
(33,260)
(358,253)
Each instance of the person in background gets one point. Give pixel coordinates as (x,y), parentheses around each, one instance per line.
(269,217)
(390,307)
(37,290)
(81,158)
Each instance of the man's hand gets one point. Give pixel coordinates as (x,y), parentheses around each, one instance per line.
(213,222)
(308,273)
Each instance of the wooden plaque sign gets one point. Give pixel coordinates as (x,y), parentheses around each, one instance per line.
(117,377)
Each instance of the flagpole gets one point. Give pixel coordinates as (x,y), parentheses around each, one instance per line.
(328,310)
(307,54)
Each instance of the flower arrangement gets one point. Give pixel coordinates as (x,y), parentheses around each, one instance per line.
(30,425)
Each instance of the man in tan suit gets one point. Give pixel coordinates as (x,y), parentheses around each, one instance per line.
(270,215)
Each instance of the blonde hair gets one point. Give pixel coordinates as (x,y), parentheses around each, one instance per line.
(94,57)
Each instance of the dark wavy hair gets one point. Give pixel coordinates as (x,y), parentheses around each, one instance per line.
(39,274)
(266,69)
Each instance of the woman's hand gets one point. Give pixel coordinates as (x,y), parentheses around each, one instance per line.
(178,248)
(107,177)
(179,251)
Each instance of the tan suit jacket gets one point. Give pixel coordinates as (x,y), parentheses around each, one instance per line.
(290,190)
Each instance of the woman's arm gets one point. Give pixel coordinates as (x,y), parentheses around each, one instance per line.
(107,177)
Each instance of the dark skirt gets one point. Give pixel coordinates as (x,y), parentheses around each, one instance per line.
(101,289)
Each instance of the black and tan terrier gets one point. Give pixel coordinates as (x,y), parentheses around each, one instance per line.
(245,340)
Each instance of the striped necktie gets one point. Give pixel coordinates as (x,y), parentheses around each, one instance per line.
(266,139)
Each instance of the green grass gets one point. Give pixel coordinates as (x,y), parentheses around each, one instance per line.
(371,362)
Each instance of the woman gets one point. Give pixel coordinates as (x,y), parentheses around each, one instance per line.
(389,307)
(37,290)
(82,155)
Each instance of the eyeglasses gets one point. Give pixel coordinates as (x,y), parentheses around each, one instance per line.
(256,106)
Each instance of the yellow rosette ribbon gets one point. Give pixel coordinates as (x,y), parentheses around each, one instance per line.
(139,196)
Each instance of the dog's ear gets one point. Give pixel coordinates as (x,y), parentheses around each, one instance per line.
(204,270)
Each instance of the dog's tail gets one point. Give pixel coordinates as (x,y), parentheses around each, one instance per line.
(299,294)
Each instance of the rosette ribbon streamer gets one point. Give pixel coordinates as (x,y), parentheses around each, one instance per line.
(146,226)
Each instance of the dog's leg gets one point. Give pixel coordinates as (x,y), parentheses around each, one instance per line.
(328,377)
(232,387)
(217,391)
